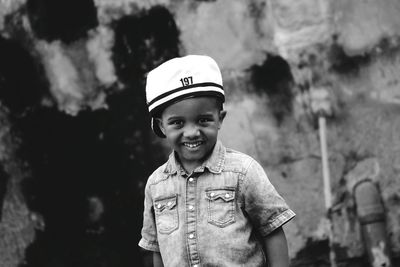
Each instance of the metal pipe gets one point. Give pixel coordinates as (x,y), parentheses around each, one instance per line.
(371,214)
(327,184)
(325,163)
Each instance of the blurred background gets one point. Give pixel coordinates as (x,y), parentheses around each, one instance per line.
(313,93)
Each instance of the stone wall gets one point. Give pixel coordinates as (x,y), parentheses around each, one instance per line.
(276,56)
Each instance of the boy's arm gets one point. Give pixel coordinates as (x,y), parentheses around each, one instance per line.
(275,248)
(157,260)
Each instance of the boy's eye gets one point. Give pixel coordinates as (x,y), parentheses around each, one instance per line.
(176,122)
(205,120)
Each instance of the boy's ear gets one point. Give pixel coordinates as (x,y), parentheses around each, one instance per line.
(222,115)
(160,125)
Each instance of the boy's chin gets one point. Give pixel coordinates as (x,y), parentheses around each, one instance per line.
(192,156)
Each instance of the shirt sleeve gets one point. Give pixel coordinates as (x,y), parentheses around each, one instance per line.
(149,231)
(266,208)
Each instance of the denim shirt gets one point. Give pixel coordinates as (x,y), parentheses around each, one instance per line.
(214,216)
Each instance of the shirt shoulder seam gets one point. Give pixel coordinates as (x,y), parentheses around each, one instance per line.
(158,175)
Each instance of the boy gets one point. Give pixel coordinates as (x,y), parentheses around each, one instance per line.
(207,205)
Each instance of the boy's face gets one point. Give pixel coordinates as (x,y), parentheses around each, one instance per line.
(191,128)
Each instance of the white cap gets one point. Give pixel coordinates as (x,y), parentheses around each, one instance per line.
(179,78)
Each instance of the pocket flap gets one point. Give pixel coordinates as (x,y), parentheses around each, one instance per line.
(226,195)
(165,203)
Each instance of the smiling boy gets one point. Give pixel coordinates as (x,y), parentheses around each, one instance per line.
(191,127)
(207,205)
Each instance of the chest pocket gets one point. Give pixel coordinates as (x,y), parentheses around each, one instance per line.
(166,211)
(221,206)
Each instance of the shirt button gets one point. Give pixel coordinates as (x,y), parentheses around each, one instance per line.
(191,236)
(191,207)
(191,179)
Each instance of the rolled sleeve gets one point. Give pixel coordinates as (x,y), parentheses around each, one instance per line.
(149,232)
(266,208)
(148,245)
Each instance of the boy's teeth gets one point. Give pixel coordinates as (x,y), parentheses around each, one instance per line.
(192,145)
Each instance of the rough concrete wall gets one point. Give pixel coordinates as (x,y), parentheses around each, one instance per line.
(17,222)
(361,26)
(350,49)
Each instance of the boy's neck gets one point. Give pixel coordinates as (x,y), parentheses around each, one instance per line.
(190,167)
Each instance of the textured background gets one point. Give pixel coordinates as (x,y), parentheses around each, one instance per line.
(75,143)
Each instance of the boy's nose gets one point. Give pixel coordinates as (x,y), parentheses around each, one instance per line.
(191,131)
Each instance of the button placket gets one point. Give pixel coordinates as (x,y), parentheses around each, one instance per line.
(191,221)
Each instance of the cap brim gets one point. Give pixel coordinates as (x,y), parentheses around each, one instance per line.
(156,128)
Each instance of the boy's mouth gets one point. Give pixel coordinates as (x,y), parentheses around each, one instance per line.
(192,144)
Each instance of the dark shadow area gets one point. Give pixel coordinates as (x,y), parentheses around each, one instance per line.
(344,64)
(3,188)
(314,254)
(144,41)
(66,20)
(274,78)
(89,171)
(21,80)
(21,88)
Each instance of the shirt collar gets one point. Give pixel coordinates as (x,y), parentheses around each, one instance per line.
(214,163)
